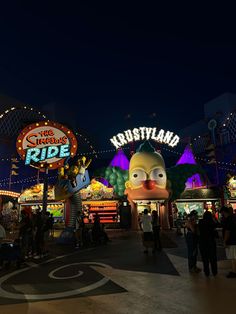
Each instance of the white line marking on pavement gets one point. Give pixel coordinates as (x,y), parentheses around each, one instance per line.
(51,274)
(21,296)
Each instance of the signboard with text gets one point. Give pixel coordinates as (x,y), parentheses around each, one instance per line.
(46,144)
(142,133)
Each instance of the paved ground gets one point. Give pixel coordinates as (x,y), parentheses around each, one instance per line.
(117,278)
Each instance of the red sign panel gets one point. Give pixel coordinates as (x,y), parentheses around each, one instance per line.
(46,144)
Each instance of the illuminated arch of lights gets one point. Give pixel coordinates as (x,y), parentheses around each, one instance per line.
(7,111)
(9,193)
(10,119)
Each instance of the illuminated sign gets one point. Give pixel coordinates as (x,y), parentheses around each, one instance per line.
(232,186)
(143,133)
(46,144)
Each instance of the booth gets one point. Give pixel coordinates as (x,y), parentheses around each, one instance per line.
(99,199)
(9,213)
(231,195)
(32,198)
(199,199)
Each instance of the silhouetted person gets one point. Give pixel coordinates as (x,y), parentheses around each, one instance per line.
(156,231)
(207,243)
(39,234)
(192,241)
(229,235)
(96,229)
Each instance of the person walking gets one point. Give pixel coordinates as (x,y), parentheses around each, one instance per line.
(38,235)
(229,236)
(191,236)
(96,230)
(25,234)
(51,225)
(146,226)
(79,230)
(156,231)
(207,243)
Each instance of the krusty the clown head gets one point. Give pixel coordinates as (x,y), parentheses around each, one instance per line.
(147,175)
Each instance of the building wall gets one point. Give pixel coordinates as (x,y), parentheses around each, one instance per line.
(223,110)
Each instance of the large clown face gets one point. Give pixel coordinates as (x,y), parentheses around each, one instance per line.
(147,177)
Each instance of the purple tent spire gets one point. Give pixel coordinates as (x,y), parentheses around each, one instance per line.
(120,160)
(188,158)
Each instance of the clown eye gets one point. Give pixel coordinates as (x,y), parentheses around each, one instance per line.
(159,175)
(137,176)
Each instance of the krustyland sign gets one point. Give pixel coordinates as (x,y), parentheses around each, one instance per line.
(143,133)
(46,144)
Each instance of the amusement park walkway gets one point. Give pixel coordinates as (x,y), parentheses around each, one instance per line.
(116,278)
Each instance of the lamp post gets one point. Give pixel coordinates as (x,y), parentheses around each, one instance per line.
(45,191)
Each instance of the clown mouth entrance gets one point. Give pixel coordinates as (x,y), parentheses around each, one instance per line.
(149,204)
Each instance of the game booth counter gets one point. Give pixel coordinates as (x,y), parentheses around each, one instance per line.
(230,192)
(32,198)
(199,199)
(97,198)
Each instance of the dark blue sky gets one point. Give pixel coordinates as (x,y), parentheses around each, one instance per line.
(98,61)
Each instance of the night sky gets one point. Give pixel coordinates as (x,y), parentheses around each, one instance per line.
(99,61)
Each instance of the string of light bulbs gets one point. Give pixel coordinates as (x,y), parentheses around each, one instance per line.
(24,107)
(88,142)
(7,179)
(26,181)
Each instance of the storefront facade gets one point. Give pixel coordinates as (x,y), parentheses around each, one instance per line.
(200,200)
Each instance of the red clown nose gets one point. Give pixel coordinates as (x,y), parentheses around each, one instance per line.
(149,184)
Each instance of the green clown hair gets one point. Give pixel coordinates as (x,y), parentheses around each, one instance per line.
(146,147)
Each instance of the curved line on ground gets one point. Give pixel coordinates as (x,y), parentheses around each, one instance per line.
(20,296)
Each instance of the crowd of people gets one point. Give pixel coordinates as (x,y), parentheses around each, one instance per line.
(34,230)
(31,242)
(150,226)
(201,235)
(94,235)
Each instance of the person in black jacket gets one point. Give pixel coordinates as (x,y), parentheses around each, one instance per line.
(229,236)
(207,243)
(192,238)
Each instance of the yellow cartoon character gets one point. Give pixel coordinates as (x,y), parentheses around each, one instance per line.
(68,178)
(147,178)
